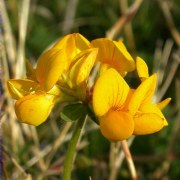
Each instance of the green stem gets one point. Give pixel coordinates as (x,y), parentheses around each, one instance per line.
(68,163)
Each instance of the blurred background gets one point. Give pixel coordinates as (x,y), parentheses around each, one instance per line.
(149,29)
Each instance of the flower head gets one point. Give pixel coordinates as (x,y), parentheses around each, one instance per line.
(62,74)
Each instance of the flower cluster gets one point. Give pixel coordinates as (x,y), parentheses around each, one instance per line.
(62,75)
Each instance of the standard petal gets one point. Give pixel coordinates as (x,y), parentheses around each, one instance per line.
(161,105)
(114,54)
(110,91)
(72,44)
(143,93)
(117,125)
(142,68)
(34,109)
(18,88)
(82,67)
(147,123)
(50,66)
(72,41)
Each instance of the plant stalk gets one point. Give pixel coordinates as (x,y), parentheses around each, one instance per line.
(68,163)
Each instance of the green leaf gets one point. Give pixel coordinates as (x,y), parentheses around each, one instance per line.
(73,112)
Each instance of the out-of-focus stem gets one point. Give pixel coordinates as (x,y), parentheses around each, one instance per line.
(69,16)
(129,159)
(24,13)
(169,21)
(117,27)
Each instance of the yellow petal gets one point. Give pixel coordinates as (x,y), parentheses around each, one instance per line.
(82,67)
(72,44)
(147,123)
(50,66)
(34,109)
(117,125)
(143,93)
(72,41)
(149,107)
(114,54)
(142,68)
(161,105)
(110,90)
(18,88)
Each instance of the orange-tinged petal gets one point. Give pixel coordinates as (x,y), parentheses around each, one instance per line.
(142,68)
(114,54)
(143,93)
(34,109)
(117,125)
(50,66)
(147,123)
(82,67)
(128,99)
(18,88)
(103,68)
(161,105)
(149,107)
(110,90)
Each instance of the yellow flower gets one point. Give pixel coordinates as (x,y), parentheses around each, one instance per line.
(148,117)
(113,54)
(33,105)
(109,96)
(57,60)
(123,111)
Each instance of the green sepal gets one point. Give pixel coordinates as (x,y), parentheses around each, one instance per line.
(73,112)
(92,116)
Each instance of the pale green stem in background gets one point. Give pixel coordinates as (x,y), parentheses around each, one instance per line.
(68,163)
